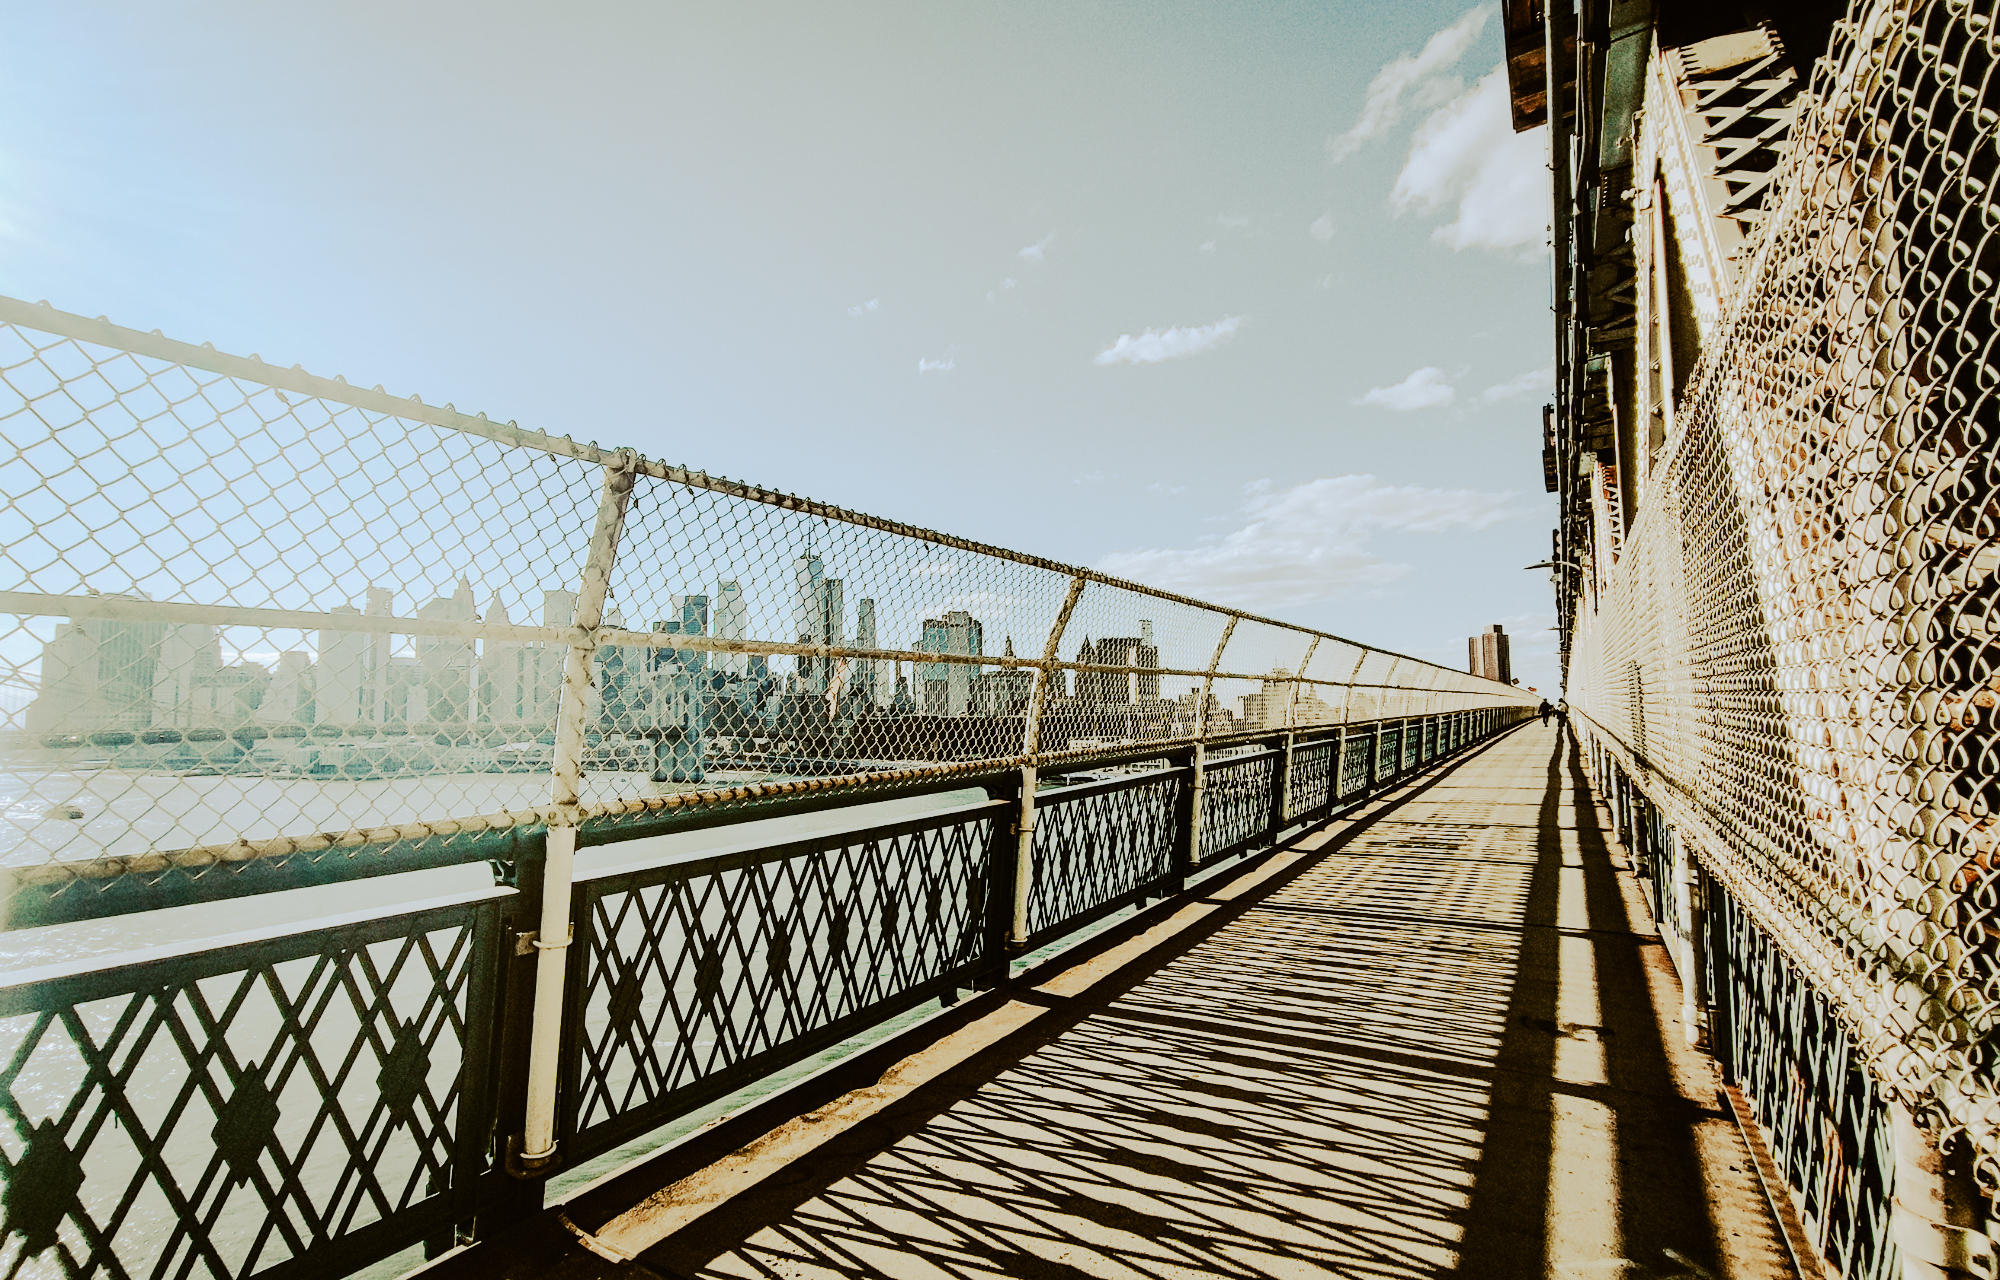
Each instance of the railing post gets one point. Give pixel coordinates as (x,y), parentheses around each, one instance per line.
(1334,784)
(1284,810)
(1198,763)
(538,1129)
(1374,758)
(1694,906)
(1281,786)
(1005,910)
(1022,885)
(1187,820)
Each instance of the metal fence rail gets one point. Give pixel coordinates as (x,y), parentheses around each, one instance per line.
(262,631)
(1790,648)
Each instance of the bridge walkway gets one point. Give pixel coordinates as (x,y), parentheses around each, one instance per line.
(1439,1036)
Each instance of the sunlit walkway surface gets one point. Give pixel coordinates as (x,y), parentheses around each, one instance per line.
(1440,1038)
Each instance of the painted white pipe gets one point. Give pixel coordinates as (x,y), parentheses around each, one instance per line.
(552,935)
(1024,857)
(538,1135)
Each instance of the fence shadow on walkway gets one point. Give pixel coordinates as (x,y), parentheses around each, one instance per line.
(1353,1076)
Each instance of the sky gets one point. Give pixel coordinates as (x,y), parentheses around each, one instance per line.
(1249,302)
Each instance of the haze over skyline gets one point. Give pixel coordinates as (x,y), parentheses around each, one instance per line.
(1249,304)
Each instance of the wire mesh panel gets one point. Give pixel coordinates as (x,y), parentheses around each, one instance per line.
(1099,845)
(204,574)
(224,1112)
(260,624)
(1792,644)
(698,976)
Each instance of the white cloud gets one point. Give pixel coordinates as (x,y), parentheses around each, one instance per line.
(1232,223)
(936,366)
(1424,389)
(1420,77)
(1033,252)
(1533,382)
(865,308)
(1156,345)
(1310,542)
(1325,281)
(1165,491)
(1322,228)
(1467,152)
(1206,246)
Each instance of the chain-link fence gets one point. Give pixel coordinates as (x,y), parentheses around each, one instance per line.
(266,631)
(262,628)
(1795,647)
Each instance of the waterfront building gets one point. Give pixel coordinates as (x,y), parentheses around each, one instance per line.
(865,682)
(288,699)
(189,653)
(732,622)
(97,674)
(818,617)
(379,603)
(341,681)
(1130,686)
(1006,691)
(446,662)
(947,686)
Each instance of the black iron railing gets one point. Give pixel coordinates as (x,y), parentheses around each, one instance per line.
(322,1098)
(1827,1125)
(1778,1040)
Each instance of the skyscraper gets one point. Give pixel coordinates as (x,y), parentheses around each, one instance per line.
(341,695)
(864,683)
(946,687)
(545,665)
(504,679)
(818,615)
(1486,655)
(446,661)
(97,673)
(732,622)
(1132,686)
(381,604)
(190,653)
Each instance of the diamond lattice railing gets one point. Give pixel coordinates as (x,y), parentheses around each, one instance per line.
(218,1113)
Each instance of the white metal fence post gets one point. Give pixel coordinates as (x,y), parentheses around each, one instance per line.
(1031,749)
(538,1143)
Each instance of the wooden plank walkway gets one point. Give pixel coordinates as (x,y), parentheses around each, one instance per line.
(1437,1037)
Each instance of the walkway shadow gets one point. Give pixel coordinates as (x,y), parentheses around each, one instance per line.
(1631,1162)
(1355,1075)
